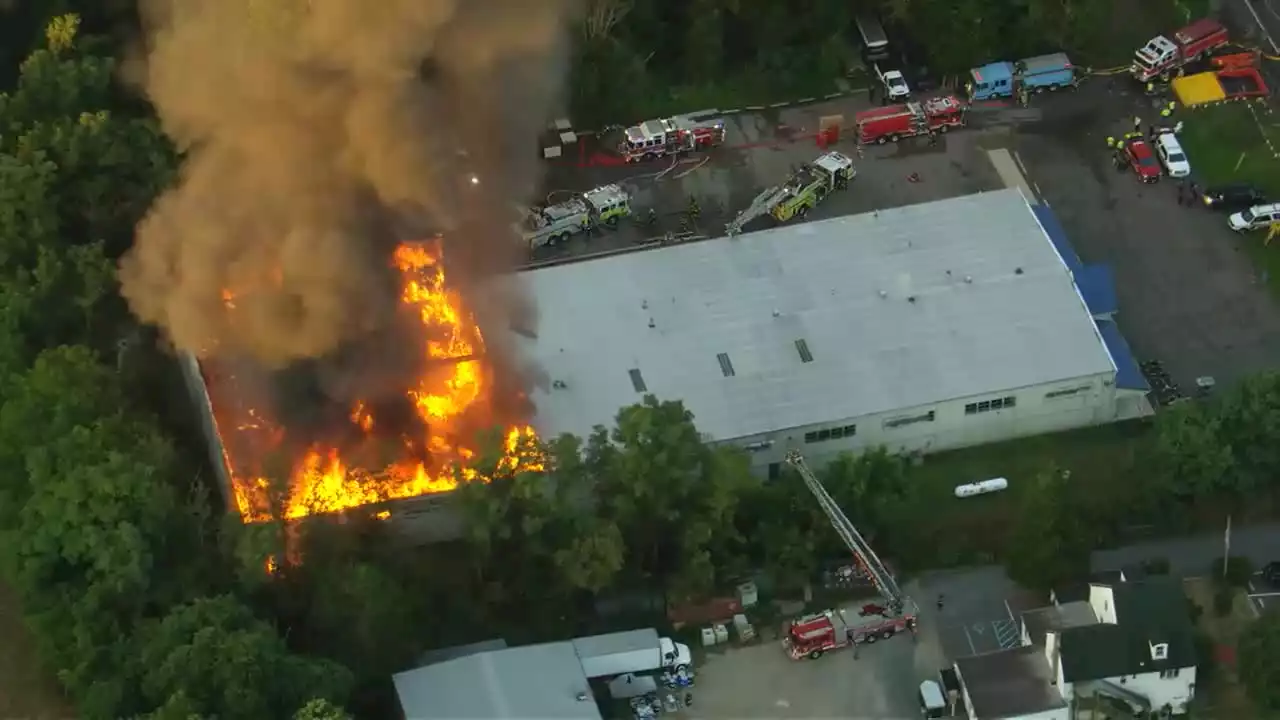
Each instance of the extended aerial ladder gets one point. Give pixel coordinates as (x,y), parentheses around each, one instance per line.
(896,602)
(761,206)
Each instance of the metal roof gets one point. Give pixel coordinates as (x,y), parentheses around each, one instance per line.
(534,681)
(1009,683)
(814,322)
(619,642)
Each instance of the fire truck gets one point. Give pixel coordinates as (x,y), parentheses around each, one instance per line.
(653,139)
(803,190)
(811,636)
(1163,55)
(894,122)
(554,224)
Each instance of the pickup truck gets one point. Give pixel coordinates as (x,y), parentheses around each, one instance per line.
(1034,74)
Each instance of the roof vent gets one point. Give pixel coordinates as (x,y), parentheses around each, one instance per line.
(911,298)
(968,279)
(948,273)
(777,312)
(1017,271)
(637,380)
(652,324)
(802,347)
(583,697)
(726,366)
(644,304)
(884,294)
(559,384)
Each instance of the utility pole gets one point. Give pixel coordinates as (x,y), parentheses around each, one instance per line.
(1226,547)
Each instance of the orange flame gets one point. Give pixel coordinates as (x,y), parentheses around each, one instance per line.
(457,379)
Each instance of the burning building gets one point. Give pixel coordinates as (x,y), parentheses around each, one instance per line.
(397,455)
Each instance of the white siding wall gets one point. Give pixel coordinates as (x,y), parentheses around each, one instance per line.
(1175,691)
(1034,412)
(1103,603)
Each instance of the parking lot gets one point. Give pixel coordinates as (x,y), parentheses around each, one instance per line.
(760,150)
(979,612)
(1188,293)
(760,681)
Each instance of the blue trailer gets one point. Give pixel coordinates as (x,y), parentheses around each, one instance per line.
(1003,79)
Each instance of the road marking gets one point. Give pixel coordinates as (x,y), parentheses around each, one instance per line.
(1262,27)
(1006,634)
(968,637)
(1257,604)
(1018,159)
(979,628)
(1009,610)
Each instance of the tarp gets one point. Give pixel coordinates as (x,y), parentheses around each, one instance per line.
(1097,285)
(1128,376)
(1057,236)
(1198,89)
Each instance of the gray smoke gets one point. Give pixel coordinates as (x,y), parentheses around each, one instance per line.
(319,133)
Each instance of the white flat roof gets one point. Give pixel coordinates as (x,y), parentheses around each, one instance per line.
(897,309)
(521,683)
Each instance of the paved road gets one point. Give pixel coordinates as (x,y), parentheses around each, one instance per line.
(1190,557)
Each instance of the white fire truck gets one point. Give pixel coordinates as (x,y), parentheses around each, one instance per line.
(554,224)
(813,635)
(653,139)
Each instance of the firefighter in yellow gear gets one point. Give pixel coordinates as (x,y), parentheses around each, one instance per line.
(1111,141)
(1151,88)
(1137,124)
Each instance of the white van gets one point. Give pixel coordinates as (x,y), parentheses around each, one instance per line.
(875,44)
(1258,216)
(933,704)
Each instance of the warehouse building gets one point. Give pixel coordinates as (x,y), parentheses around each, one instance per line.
(921,328)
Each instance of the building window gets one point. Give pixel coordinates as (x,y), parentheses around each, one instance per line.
(910,420)
(834,433)
(1003,403)
(1067,392)
(1169,674)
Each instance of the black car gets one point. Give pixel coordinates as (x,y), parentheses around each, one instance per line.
(1233,198)
(1271,573)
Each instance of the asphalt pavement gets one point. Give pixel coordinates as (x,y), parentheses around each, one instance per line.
(1194,556)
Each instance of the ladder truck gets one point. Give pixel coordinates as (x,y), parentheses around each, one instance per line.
(807,186)
(813,635)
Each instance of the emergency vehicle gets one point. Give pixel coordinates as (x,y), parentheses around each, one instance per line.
(892,123)
(811,636)
(554,224)
(802,191)
(653,139)
(1162,55)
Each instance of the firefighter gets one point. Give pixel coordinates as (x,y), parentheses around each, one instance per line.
(1111,142)
(694,210)
(1177,128)
(1151,88)
(1137,124)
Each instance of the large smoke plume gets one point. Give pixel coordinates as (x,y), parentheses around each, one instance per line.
(317,134)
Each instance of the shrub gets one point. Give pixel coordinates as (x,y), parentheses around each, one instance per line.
(1238,571)
(1223,598)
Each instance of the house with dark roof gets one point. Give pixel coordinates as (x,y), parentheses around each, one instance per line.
(1130,640)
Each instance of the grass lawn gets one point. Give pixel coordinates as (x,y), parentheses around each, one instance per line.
(25,691)
(1221,696)
(1102,461)
(1227,143)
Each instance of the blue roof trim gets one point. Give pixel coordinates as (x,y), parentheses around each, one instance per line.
(1097,285)
(1057,236)
(1128,376)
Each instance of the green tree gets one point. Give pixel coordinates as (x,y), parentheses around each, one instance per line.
(1051,538)
(667,491)
(1191,450)
(215,659)
(1247,417)
(1259,657)
(321,709)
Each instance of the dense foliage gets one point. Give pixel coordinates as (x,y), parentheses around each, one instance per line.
(637,58)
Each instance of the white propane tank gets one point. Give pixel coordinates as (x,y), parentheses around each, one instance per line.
(982,488)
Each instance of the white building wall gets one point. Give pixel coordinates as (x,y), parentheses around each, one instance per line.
(1040,409)
(1103,603)
(1176,691)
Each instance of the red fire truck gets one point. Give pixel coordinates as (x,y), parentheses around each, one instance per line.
(813,635)
(1162,55)
(894,122)
(668,136)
